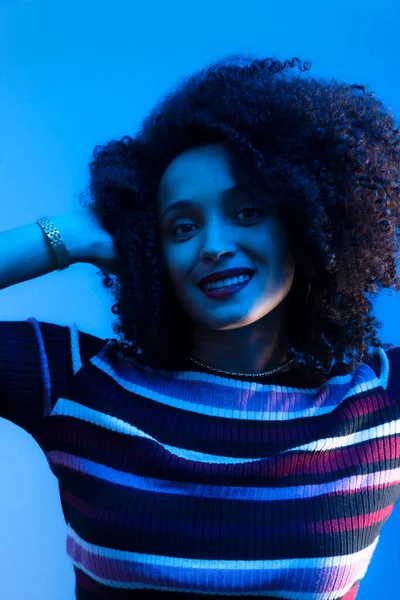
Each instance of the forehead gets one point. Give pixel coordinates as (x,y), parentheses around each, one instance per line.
(206,169)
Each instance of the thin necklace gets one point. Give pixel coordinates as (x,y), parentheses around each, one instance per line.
(204,365)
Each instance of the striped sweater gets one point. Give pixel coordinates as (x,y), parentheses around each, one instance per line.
(181,484)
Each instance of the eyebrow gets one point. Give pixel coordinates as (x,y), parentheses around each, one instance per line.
(187,203)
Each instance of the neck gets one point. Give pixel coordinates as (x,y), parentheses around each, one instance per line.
(251,349)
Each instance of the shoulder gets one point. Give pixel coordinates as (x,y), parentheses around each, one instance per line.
(386,365)
(392,355)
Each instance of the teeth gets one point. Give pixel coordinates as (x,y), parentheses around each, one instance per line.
(226,282)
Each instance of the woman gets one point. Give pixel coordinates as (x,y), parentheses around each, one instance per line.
(240,437)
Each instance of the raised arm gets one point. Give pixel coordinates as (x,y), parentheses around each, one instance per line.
(25,252)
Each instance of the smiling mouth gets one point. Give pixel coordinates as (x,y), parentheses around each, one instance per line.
(248,275)
(227,290)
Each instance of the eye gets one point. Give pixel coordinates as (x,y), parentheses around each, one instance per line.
(249,207)
(174,229)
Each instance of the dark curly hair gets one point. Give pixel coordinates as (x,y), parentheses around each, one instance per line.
(325,155)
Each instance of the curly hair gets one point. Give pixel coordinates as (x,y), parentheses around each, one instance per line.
(325,155)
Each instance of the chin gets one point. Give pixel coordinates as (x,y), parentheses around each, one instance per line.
(224,323)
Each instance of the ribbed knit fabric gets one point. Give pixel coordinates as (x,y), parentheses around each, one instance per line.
(190,485)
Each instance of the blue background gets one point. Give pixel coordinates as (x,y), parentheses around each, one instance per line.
(76,74)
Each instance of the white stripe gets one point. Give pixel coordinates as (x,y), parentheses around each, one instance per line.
(73,409)
(214,571)
(208,564)
(113,476)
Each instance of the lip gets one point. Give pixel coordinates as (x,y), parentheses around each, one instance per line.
(224,275)
(226,292)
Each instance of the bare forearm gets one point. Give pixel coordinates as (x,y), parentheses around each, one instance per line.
(25,252)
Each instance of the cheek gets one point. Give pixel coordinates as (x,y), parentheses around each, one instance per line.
(176,268)
(178,261)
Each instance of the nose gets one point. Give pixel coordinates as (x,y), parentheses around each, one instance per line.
(218,240)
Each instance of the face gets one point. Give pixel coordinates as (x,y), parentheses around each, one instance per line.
(220,229)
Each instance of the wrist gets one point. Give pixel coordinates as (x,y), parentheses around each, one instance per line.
(77,235)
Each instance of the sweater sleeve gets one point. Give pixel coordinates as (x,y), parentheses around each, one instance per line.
(38,361)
